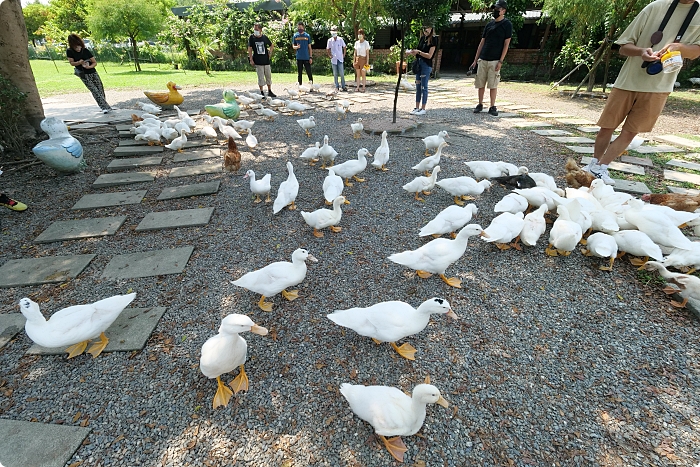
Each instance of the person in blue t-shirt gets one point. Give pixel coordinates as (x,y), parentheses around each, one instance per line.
(302,44)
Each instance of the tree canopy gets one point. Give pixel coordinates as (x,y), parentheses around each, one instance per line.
(35,16)
(66,16)
(348,15)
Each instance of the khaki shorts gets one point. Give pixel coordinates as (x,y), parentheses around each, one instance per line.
(486,74)
(639,110)
(359,62)
(264,75)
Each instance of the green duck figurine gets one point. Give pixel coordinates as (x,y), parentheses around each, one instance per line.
(228,109)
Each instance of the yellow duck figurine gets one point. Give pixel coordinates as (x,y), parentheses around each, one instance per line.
(172,97)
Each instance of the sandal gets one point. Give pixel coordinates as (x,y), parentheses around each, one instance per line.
(363,89)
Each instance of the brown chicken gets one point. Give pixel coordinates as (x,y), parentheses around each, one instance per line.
(677,201)
(575,176)
(232,157)
(135,118)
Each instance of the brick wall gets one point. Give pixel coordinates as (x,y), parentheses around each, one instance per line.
(383,53)
(522,56)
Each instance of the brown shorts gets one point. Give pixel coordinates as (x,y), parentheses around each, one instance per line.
(639,110)
(359,62)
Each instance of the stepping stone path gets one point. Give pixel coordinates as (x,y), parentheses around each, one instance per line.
(661,148)
(201,169)
(516,107)
(679,141)
(637,160)
(107,180)
(10,325)
(684,191)
(684,164)
(80,228)
(552,132)
(186,191)
(575,121)
(572,139)
(47,270)
(136,150)
(196,155)
(148,263)
(133,163)
(132,142)
(531,123)
(682,177)
(125,127)
(619,166)
(119,198)
(535,111)
(588,129)
(581,149)
(635,188)
(507,115)
(175,219)
(39,444)
(128,333)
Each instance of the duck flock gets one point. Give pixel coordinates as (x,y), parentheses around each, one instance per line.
(607,223)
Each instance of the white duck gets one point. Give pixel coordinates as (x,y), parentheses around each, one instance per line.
(311,154)
(74,326)
(381,155)
(433,142)
(245,101)
(169,133)
(150,108)
(437,255)
(689,285)
(182,126)
(540,195)
(332,187)
(565,234)
(357,128)
(152,136)
(639,244)
(185,118)
(307,124)
(534,226)
(511,169)
(463,187)
(276,277)
(422,184)
(287,193)
(391,412)
(503,229)
(178,143)
(61,151)
(269,114)
(292,93)
(208,132)
(295,107)
(484,169)
(326,153)
(656,225)
(512,203)
(601,245)
(427,164)
(353,167)
(251,140)
(322,218)
(392,321)
(277,103)
(684,258)
(304,88)
(547,181)
(227,130)
(341,112)
(449,220)
(259,187)
(243,125)
(346,104)
(224,352)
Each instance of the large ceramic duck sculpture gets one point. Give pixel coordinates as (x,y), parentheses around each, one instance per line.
(172,97)
(61,151)
(74,326)
(228,109)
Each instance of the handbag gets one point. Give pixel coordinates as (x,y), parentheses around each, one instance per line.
(79,73)
(415,67)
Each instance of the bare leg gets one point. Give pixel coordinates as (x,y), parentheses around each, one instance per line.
(617,147)
(602,141)
(481,92)
(492,95)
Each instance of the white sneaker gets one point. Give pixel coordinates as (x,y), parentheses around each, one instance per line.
(421,112)
(413,112)
(593,164)
(602,173)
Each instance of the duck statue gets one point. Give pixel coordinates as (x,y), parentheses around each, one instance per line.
(61,151)
(228,109)
(166,99)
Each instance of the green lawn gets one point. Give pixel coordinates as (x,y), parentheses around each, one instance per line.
(154,76)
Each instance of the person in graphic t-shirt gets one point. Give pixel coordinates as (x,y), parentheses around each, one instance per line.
(85,63)
(301,42)
(490,54)
(259,52)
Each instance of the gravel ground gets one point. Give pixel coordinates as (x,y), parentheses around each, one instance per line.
(553,362)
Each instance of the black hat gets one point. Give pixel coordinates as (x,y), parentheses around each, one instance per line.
(500,4)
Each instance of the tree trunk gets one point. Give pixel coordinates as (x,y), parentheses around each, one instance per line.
(607,68)
(14,61)
(135,49)
(398,81)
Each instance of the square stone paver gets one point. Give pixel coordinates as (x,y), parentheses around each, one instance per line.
(516,107)
(107,180)
(581,149)
(659,148)
(102,200)
(123,127)
(10,325)
(47,270)
(682,177)
(683,191)
(637,160)
(196,155)
(185,191)
(196,143)
(24,444)
(620,166)
(148,263)
(133,163)
(683,164)
(553,115)
(128,332)
(589,129)
(531,123)
(80,228)
(210,168)
(122,151)
(572,139)
(635,188)
(536,111)
(552,132)
(679,141)
(132,142)
(507,115)
(575,121)
(175,219)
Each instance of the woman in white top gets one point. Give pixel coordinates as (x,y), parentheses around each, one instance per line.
(361,61)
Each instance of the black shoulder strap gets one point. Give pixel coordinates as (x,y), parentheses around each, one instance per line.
(686,23)
(668,15)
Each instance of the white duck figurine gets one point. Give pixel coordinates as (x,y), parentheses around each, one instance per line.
(689,285)
(269,114)
(74,326)
(639,244)
(152,136)
(381,155)
(333,187)
(601,245)
(178,143)
(422,184)
(326,153)
(449,220)
(565,234)
(226,351)
(276,277)
(392,321)
(322,218)
(311,154)
(503,229)
(307,124)
(150,108)
(484,169)
(391,412)
(353,167)
(243,125)
(251,140)
(534,226)
(287,193)
(357,128)
(656,225)
(295,107)
(512,203)
(61,151)
(428,163)
(437,255)
(259,187)
(463,187)
(433,142)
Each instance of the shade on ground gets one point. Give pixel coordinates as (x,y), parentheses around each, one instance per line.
(201,169)
(119,198)
(47,270)
(148,263)
(185,191)
(133,163)
(196,155)
(175,219)
(10,325)
(117,179)
(25,444)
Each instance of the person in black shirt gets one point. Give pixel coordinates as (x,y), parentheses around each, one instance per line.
(490,54)
(424,54)
(85,63)
(259,55)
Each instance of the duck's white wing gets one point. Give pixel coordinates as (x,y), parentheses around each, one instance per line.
(332,188)
(386,321)
(387,409)
(222,354)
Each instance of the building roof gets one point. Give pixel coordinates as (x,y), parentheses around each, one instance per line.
(532,15)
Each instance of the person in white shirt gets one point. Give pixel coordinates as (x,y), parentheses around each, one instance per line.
(336,52)
(361,61)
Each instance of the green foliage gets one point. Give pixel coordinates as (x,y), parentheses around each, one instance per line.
(35,15)
(515,11)
(66,16)
(12,102)
(348,15)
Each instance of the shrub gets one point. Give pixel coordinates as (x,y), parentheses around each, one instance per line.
(12,102)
